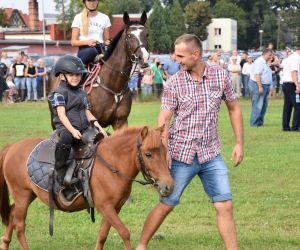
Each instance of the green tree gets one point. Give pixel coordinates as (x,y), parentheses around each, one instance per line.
(289,26)
(197,17)
(160,39)
(67,11)
(270,28)
(119,7)
(146,4)
(175,21)
(3,18)
(285,4)
(183,3)
(254,10)
(227,9)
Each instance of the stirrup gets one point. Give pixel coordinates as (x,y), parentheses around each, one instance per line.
(63,200)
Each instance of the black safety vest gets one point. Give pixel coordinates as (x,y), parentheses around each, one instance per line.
(75,105)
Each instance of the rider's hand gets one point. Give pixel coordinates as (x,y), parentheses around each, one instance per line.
(92,42)
(76,134)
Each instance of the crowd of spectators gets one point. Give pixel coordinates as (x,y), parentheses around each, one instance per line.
(21,78)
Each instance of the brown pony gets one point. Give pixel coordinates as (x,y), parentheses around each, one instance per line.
(111,98)
(129,151)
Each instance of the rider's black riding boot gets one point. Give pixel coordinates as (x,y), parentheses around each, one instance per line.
(62,153)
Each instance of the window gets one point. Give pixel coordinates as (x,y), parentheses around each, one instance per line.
(218,31)
(218,46)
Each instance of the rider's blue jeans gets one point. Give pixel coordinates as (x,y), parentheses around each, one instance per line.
(87,53)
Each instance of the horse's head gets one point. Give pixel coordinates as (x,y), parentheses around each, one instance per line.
(136,38)
(152,160)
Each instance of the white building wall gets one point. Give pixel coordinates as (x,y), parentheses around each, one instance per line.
(222,34)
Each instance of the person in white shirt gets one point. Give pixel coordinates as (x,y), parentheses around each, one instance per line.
(234,69)
(246,71)
(90,32)
(291,88)
(236,55)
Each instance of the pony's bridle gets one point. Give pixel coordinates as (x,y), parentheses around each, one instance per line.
(145,171)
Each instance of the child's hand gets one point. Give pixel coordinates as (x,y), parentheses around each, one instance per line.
(101,129)
(76,134)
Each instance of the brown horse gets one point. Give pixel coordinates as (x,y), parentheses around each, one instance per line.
(111,99)
(129,151)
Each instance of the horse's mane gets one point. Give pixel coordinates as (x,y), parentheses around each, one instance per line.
(116,39)
(153,139)
(113,45)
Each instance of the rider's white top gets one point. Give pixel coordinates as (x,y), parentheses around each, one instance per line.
(97,24)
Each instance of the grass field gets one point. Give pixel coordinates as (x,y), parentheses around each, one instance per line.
(265,187)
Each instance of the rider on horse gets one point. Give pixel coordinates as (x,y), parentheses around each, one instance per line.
(90,32)
(71,110)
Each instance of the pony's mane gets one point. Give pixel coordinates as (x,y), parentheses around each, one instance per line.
(116,39)
(153,139)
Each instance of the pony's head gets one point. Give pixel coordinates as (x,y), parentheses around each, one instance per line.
(136,38)
(152,160)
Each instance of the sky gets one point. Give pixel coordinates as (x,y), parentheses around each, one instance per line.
(49,5)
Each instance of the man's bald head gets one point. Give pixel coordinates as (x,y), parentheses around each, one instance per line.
(191,40)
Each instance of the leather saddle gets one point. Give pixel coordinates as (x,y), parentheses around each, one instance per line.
(79,165)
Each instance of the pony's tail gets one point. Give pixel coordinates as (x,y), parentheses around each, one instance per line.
(4,195)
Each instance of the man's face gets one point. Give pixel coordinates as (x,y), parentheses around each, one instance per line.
(185,56)
(268,56)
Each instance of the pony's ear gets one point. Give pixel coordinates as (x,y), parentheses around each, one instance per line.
(126,18)
(144,132)
(161,128)
(143,17)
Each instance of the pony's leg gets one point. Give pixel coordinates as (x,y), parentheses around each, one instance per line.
(111,214)
(103,232)
(21,208)
(6,239)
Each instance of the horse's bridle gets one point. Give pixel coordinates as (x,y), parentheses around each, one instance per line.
(134,59)
(145,171)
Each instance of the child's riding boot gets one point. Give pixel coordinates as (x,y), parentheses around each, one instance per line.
(62,153)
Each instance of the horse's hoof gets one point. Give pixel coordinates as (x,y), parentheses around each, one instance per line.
(3,245)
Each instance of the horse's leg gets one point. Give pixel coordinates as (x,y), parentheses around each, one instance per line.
(111,214)
(20,213)
(119,124)
(103,232)
(6,239)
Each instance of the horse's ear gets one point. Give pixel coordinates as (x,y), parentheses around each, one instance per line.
(143,17)
(144,132)
(126,18)
(161,128)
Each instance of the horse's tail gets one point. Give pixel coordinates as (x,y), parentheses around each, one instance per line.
(4,195)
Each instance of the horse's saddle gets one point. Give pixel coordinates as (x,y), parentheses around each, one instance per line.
(41,166)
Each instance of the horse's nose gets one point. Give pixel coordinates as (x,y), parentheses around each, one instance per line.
(167,190)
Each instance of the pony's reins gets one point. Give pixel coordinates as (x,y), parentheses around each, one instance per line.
(145,172)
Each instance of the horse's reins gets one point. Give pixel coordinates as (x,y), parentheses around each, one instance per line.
(145,172)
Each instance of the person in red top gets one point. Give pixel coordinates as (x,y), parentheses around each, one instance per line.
(193,97)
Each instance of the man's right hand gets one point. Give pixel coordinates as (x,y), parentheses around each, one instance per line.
(260,90)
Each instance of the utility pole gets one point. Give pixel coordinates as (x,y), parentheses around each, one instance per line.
(44,35)
(260,39)
(64,19)
(278,31)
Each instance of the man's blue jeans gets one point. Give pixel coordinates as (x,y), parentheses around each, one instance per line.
(259,103)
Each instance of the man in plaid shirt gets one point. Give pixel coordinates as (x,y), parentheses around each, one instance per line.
(193,97)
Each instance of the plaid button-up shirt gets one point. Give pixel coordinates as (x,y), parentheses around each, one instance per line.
(196,106)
